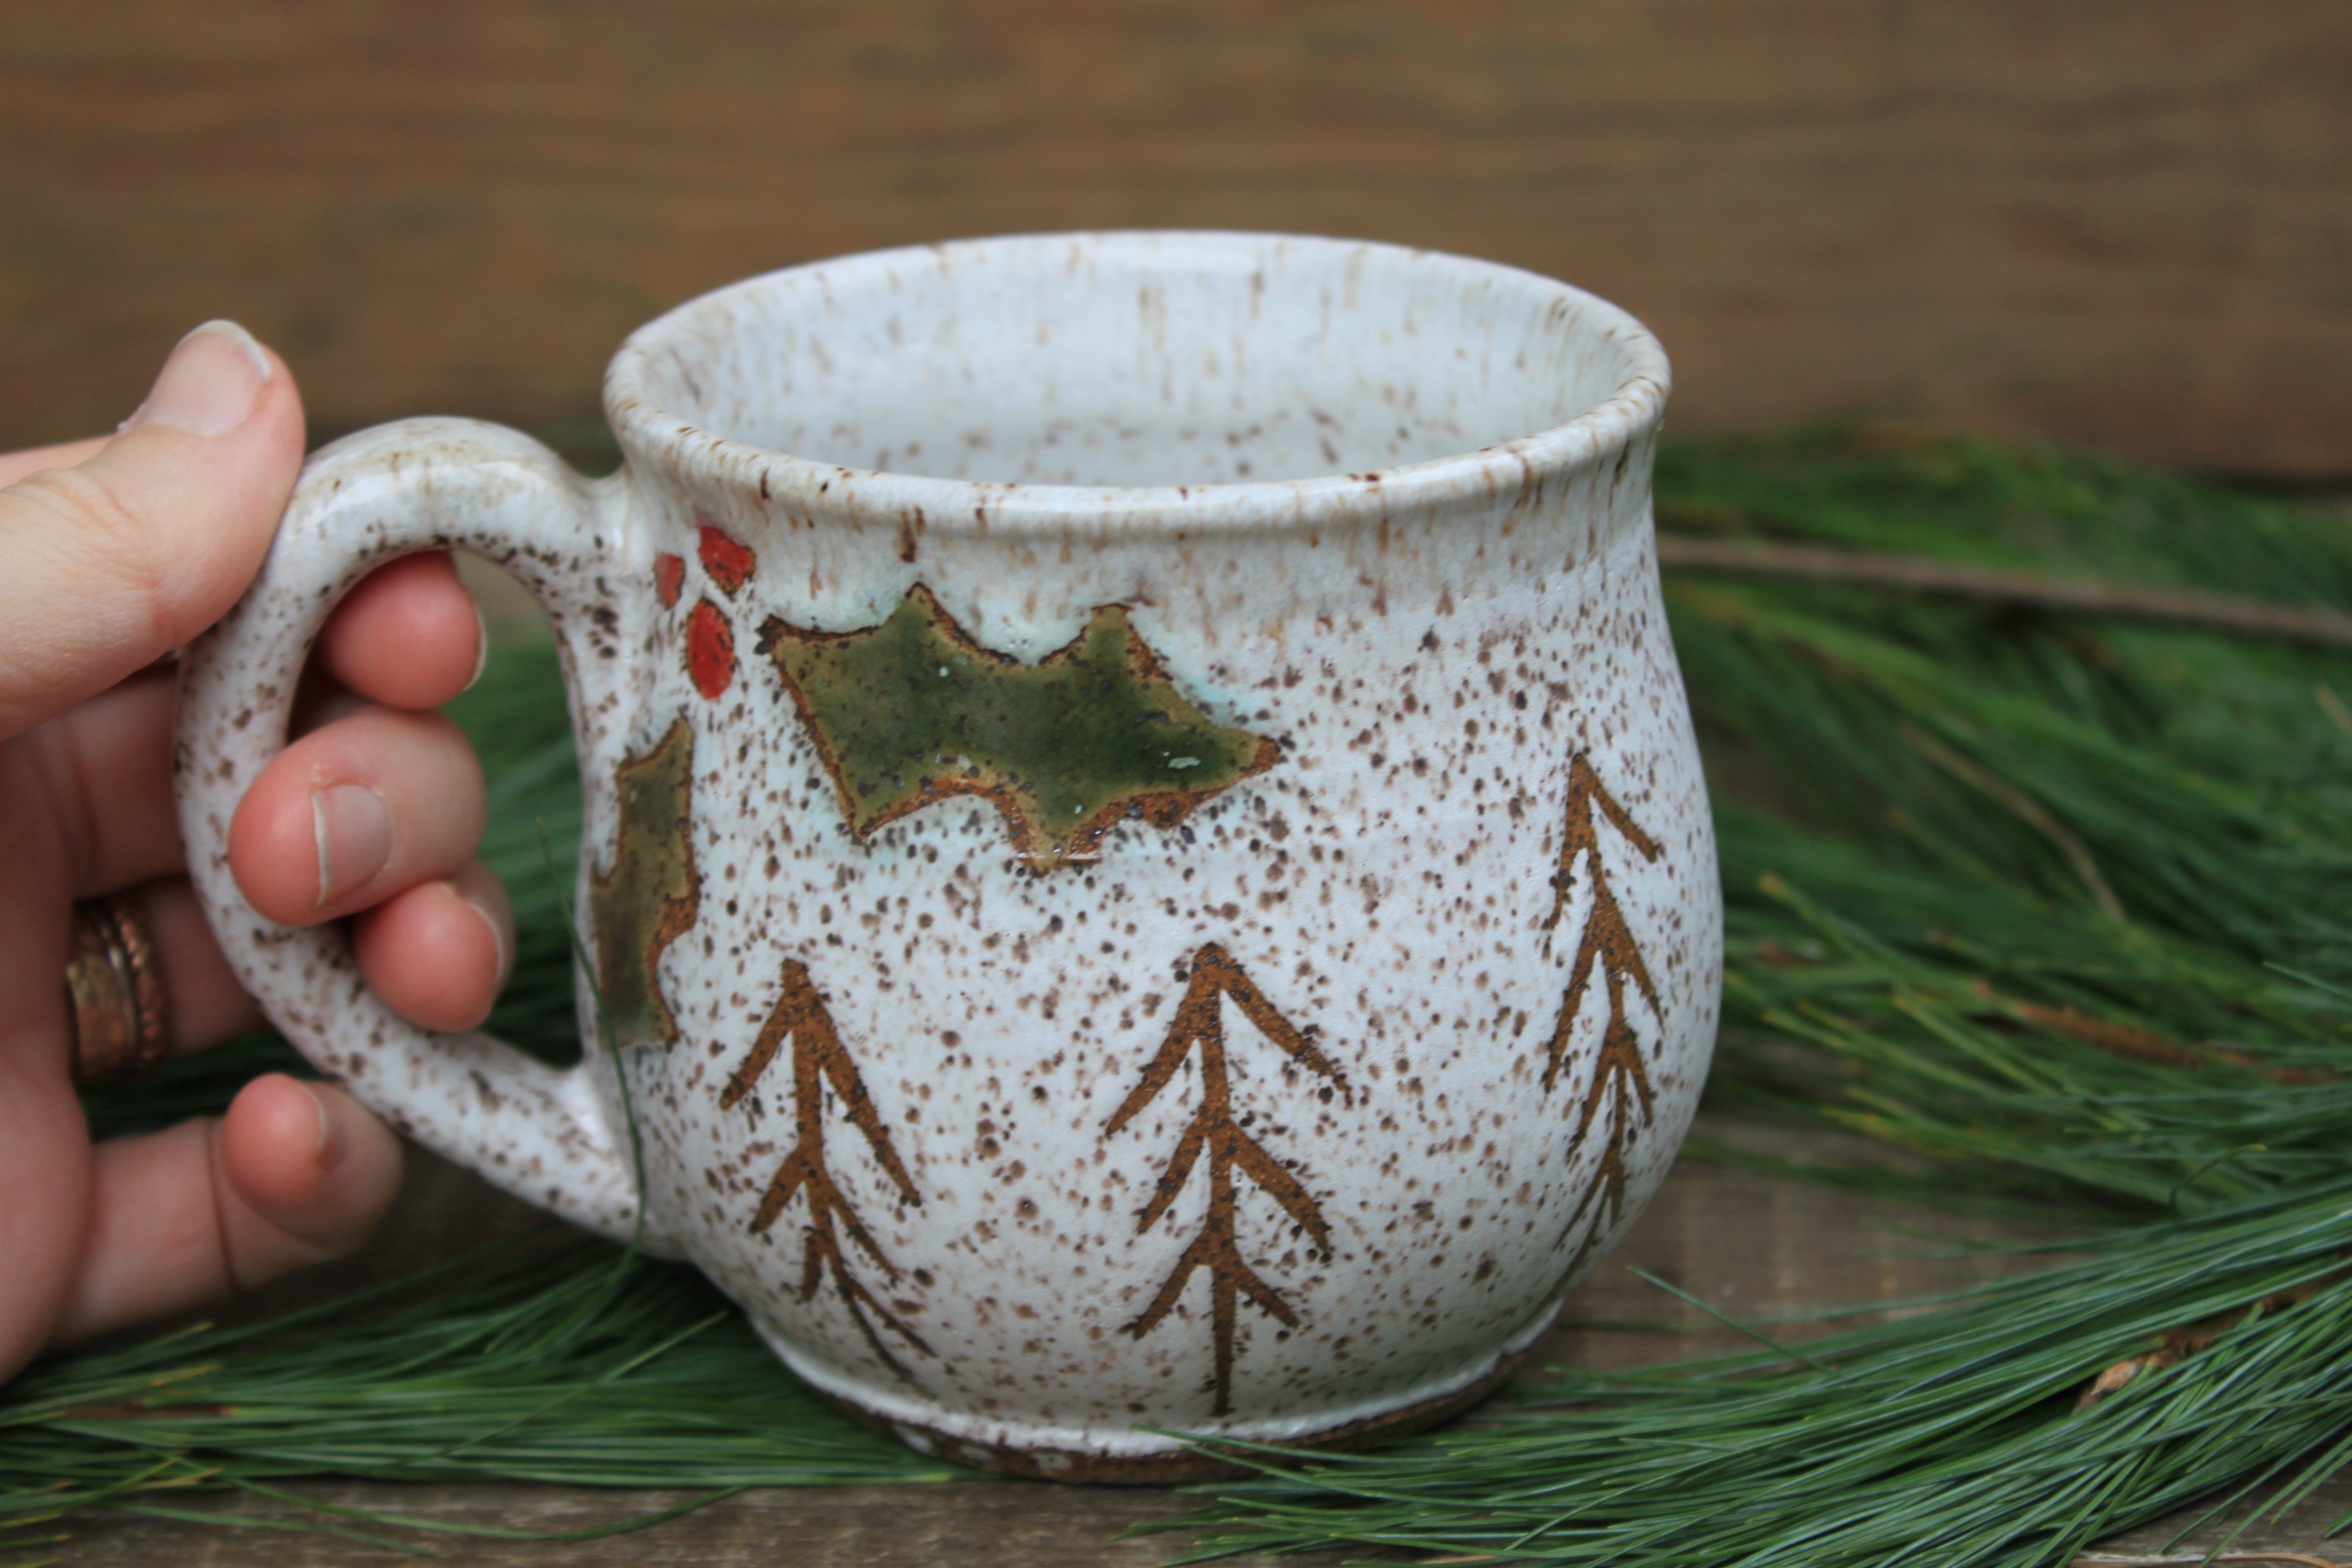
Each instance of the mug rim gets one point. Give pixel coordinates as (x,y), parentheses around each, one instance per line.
(1633,409)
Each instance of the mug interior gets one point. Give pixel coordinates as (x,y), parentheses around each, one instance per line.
(1139,359)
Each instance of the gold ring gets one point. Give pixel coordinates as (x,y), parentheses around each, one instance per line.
(116,989)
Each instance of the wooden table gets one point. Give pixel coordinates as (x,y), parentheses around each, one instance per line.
(1754,1248)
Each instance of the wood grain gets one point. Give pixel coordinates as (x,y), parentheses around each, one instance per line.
(2127,222)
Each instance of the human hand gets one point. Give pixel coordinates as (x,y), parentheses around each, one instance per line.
(112,553)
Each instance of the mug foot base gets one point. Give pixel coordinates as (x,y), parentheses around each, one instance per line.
(1177,1467)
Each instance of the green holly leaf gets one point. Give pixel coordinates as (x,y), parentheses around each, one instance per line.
(913,711)
(652,893)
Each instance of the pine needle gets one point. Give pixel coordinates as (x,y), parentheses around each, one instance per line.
(2055,901)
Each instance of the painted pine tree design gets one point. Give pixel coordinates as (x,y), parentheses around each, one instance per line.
(1620,1077)
(820,1059)
(1200,1022)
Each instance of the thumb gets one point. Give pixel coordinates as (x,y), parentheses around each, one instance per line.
(110,564)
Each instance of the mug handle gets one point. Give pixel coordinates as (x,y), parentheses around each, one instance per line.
(543,1133)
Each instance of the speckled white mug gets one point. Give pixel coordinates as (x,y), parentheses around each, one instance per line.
(1144,846)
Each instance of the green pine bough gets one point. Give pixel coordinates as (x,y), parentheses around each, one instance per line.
(1944,1439)
(2057,904)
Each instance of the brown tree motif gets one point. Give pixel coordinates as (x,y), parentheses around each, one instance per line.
(1608,948)
(819,1058)
(1200,1020)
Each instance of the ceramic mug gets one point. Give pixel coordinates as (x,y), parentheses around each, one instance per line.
(1144,856)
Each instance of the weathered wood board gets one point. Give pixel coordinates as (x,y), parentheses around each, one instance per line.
(2128,222)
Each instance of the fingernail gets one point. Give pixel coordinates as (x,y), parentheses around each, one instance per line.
(498,933)
(481,648)
(209,385)
(354,837)
(329,1147)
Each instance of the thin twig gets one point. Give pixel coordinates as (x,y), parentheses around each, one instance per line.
(2170,606)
